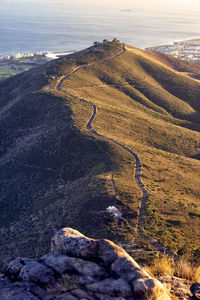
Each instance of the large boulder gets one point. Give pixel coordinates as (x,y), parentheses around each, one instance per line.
(37,273)
(62,263)
(127,274)
(195,289)
(24,291)
(179,287)
(108,252)
(73,243)
(15,266)
(149,289)
(111,287)
(125,267)
(79,267)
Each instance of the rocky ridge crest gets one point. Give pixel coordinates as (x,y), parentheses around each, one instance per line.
(78,267)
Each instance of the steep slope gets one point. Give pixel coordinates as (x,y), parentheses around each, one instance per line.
(55,173)
(51,174)
(151,109)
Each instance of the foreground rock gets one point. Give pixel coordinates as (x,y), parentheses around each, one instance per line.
(183,289)
(195,289)
(79,268)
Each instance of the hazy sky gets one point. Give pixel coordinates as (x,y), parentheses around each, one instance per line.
(40,6)
(176,7)
(73,24)
(122,3)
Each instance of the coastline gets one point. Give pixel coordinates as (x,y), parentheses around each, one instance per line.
(48,54)
(53,54)
(174,42)
(16,63)
(11,65)
(188,50)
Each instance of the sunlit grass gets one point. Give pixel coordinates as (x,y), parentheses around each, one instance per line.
(149,107)
(167,266)
(143,104)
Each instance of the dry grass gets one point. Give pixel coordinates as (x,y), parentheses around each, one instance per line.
(146,106)
(139,109)
(161,266)
(185,269)
(156,295)
(181,268)
(55,175)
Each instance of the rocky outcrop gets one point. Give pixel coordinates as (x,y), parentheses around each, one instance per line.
(79,268)
(177,286)
(195,289)
(181,288)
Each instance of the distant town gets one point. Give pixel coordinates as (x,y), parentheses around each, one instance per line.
(14,64)
(186,50)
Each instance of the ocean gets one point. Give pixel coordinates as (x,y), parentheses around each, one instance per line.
(64,25)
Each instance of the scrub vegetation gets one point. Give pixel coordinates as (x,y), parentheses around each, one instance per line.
(54,173)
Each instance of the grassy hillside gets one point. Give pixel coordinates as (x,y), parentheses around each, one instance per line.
(153,109)
(55,173)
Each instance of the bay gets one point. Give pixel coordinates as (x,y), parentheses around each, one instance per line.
(32,26)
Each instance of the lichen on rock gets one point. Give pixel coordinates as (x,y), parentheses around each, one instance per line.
(79,268)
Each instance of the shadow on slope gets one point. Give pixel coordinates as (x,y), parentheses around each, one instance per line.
(155,85)
(184,90)
(197,156)
(49,170)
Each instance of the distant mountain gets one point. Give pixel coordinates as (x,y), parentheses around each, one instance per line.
(65,160)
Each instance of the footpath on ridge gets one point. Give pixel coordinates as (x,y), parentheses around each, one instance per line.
(138,164)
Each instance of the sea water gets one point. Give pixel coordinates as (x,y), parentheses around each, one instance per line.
(62,25)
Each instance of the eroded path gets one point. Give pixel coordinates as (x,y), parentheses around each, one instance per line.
(138,163)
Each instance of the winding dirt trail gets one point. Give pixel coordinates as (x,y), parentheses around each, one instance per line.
(138,163)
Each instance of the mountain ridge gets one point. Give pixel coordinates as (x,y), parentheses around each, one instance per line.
(96,185)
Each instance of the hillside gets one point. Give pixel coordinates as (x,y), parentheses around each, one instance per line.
(56,171)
